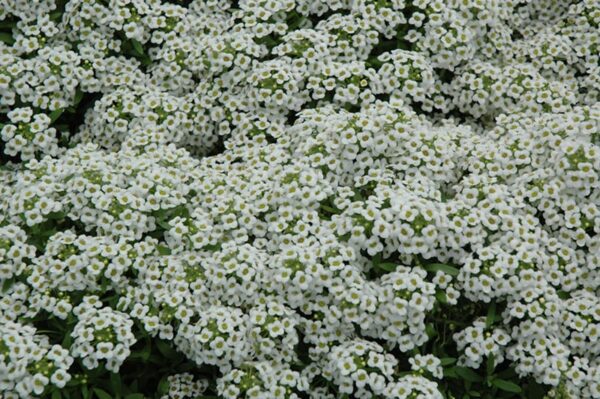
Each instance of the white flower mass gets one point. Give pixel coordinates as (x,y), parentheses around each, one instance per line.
(300,199)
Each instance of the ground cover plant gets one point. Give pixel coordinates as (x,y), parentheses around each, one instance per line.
(300,199)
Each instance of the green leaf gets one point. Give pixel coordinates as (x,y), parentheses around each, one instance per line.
(84,390)
(7,25)
(56,395)
(102,394)
(7,38)
(115,383)
(163,224)
(7,284)
(430,330)
(330,209)
(446,361)
(490,364)
(387,266)
(441,296)
(468,374)
(163,386)
(56,15)
(146,61)
(267,40)
(137,47)
(162,250)
(165,349)
(376,259)
(212,247)
(78,97)
(440,267)
(563,294)
(450,373)
(54,115)
(135,396)
(67,341)
(491,315)
(57,215)
(506,385)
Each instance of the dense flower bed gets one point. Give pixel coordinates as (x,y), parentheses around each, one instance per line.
(314,199)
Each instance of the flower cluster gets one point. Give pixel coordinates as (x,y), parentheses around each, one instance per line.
(184,386)
(427,364)
(28,134)
(299,199)
(217,338)
(360,368)
(262,380)
(29,363)
(101,334)
(15,252)
(477,342)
